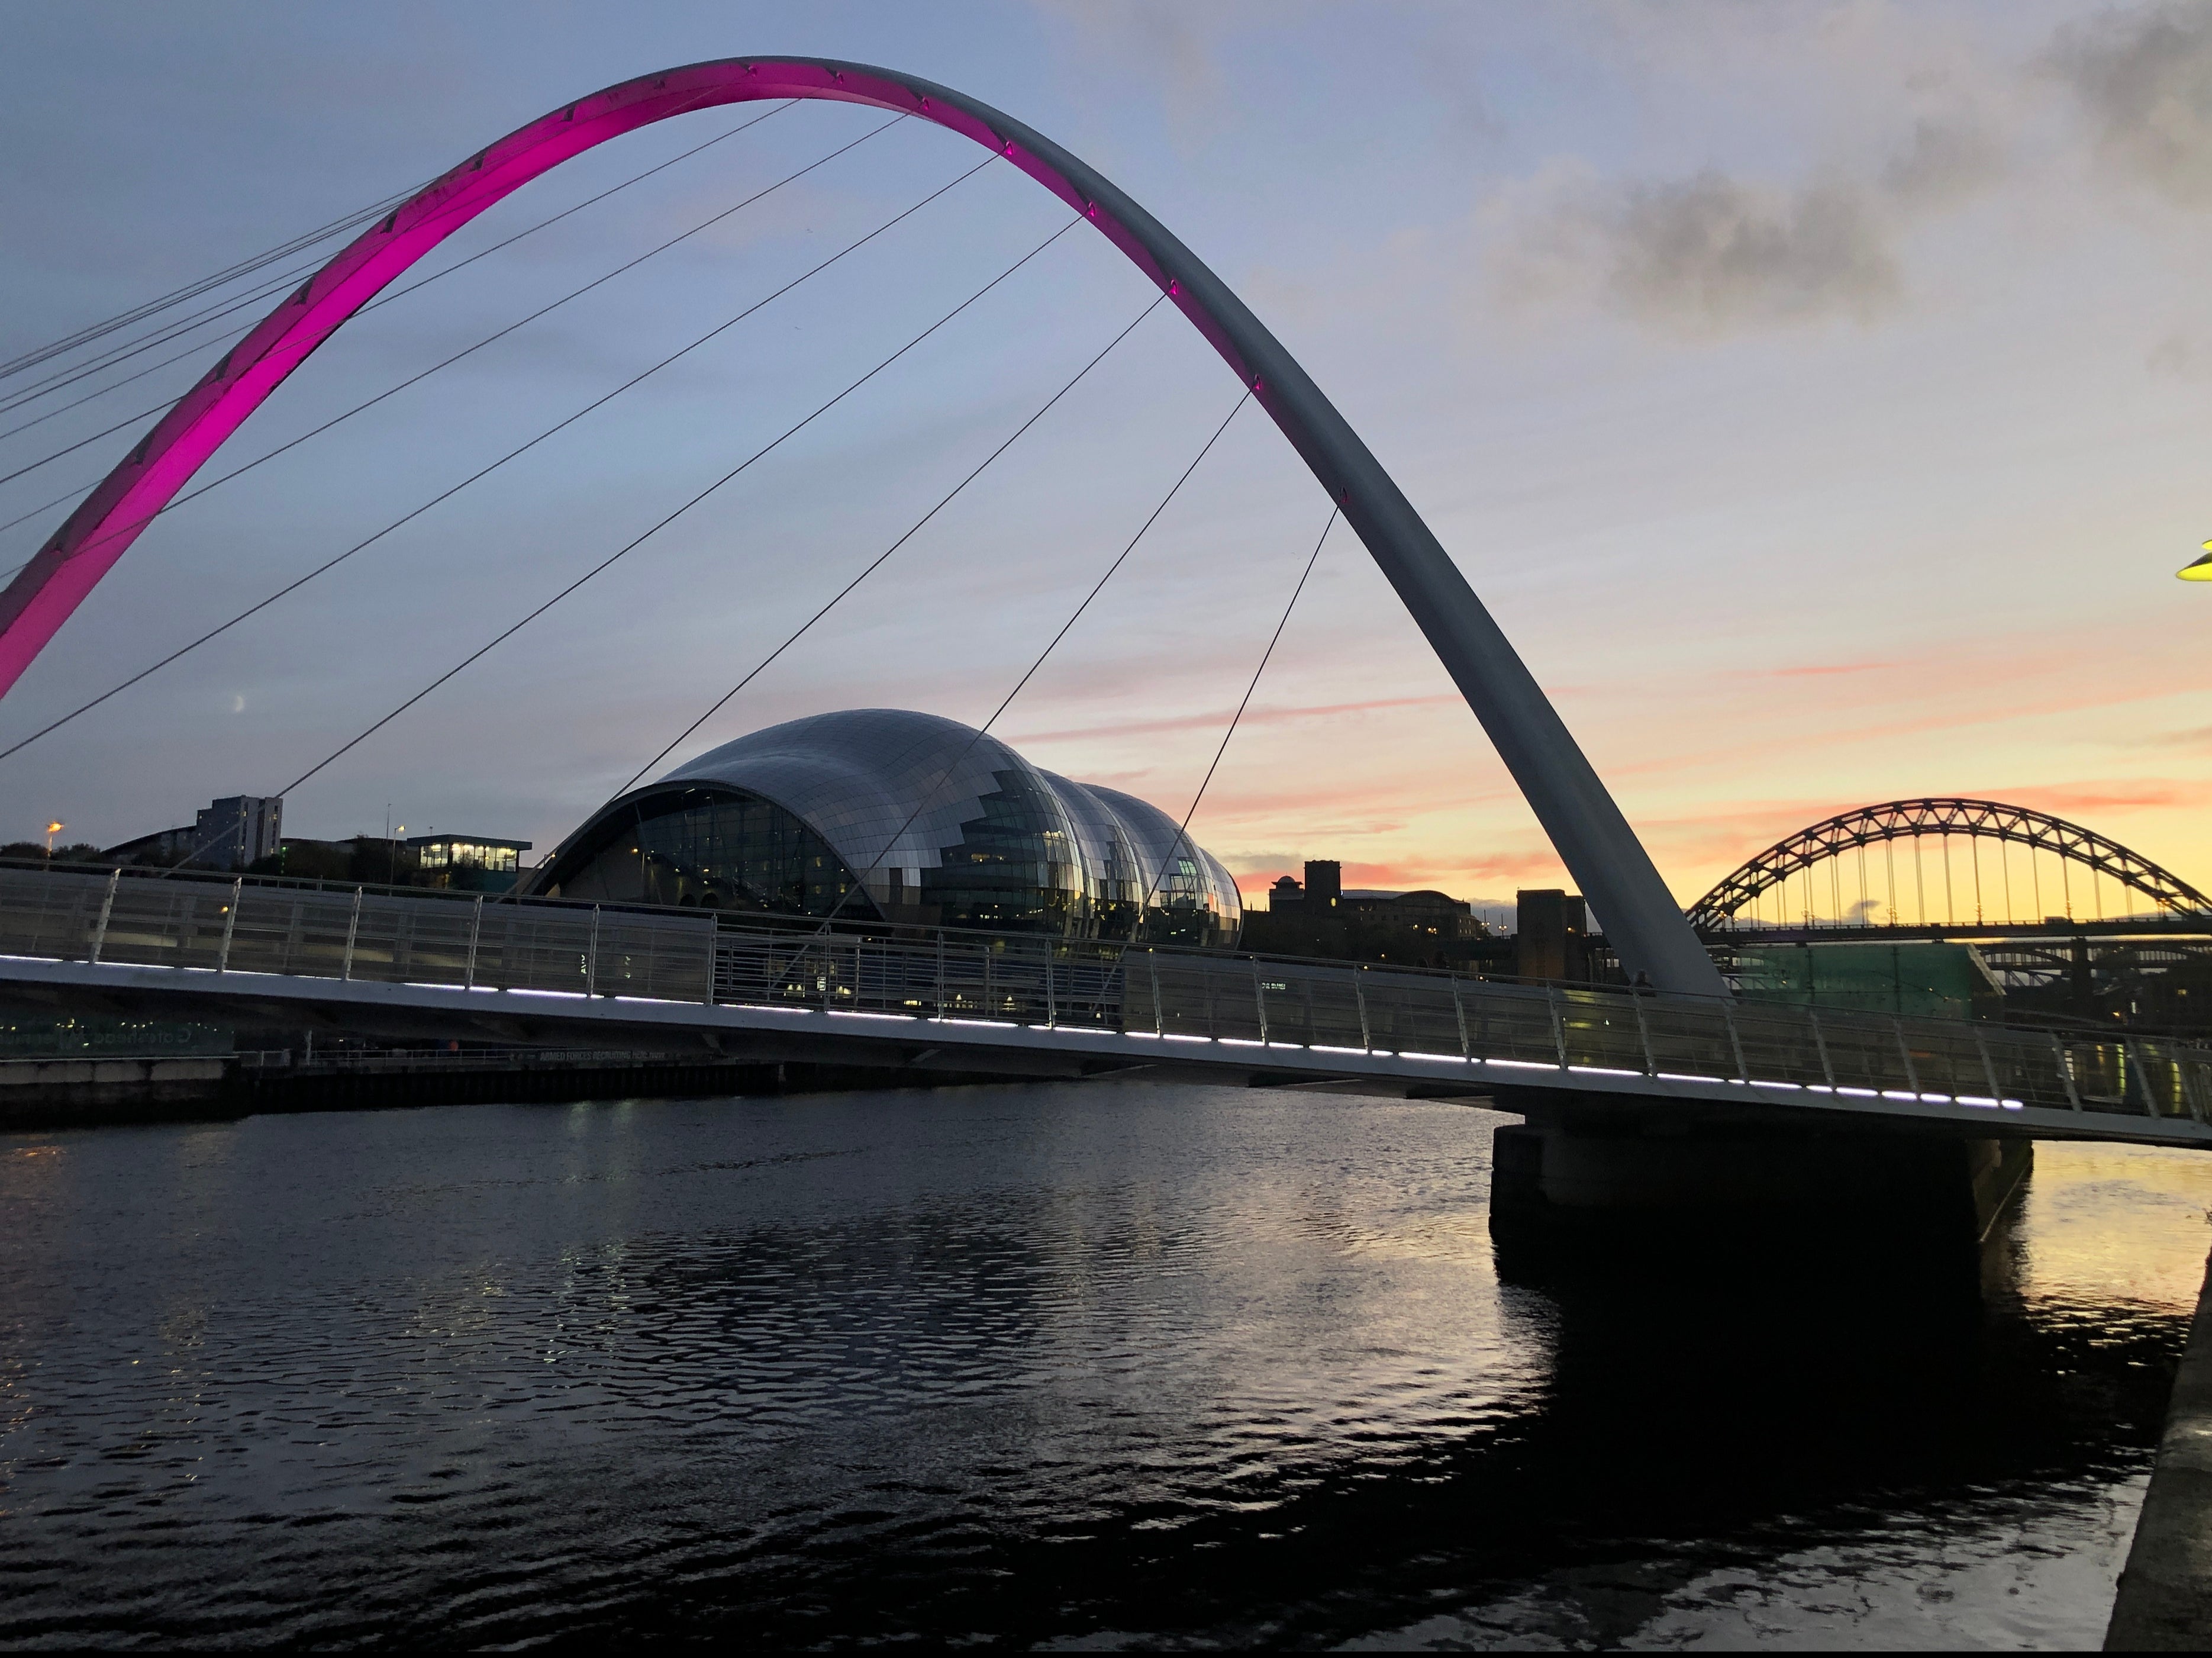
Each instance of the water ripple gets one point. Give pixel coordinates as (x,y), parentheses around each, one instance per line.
(1031,1366)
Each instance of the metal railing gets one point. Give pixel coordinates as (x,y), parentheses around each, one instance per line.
(361,935)
(1167,994)
(1354,1008)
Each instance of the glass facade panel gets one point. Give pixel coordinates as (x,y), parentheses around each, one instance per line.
(1016,867)
(726,850)
(471,863)
(1194,897)
(496,857)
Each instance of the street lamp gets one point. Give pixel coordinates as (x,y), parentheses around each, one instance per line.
(53,829)
(2201,569)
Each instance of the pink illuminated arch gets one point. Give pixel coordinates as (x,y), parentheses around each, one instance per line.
(1594,841)
(52,586)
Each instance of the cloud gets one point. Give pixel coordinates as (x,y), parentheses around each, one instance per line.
(1171,43)
(2178,356)
(2094,797)
(1216,719)
(1703,256)
(1712,253)
(1256,874)
(1942,164)
(1816,670)
(2144,78)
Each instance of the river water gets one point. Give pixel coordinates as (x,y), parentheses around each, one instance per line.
(1067,1365)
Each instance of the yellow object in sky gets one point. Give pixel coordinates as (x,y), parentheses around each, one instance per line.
(2199,571)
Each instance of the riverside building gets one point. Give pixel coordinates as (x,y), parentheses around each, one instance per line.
(882,814)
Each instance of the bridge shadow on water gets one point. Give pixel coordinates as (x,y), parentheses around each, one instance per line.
(1692,1428)
(1733,1438)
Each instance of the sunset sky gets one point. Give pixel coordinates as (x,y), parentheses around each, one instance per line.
(1818,395)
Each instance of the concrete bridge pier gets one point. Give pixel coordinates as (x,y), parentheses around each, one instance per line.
(1589,1169)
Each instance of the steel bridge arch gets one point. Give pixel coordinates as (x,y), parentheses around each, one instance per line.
(1584,824)
(1906,820)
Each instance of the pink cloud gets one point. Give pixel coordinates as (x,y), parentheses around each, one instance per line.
(2067,800)
(1819,670)
(1218,720)
(1462,879)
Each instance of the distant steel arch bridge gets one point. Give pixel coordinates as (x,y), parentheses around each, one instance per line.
(1943,817)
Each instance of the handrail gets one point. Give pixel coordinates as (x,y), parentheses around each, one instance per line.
(798,931)
(1061,985)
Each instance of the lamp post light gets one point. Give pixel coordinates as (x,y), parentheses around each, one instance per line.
(2200,569)
(52,829)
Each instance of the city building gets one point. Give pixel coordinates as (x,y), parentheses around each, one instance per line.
(1323,891)
(469,863)
(1323,888)
(1318,917)
(235,833)
(885,815)
(1551,936)
(239,829)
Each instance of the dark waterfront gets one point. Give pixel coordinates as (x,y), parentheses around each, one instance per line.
(1081,1366)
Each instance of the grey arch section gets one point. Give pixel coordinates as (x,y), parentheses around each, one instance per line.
(1642,922)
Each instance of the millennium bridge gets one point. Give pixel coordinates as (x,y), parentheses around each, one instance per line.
(450,966)
(1619,1074)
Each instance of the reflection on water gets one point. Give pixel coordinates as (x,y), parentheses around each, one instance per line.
(1055,1365)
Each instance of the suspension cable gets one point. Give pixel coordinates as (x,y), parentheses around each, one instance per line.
(165,332)
(86,335)
(930,796)
(231,272)
(62,378)
(133,527)
(116,385)
(877,563)
(72,448)
(788,432)
(385,299)
(1183,829)
(77,494)
(484,471)
(881,559)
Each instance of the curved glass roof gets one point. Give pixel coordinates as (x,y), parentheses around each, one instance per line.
(938,822)
(856,777)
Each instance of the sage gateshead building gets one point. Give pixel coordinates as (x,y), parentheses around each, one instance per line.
(880,815)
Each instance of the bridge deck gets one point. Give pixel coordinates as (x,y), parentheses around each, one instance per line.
(245,951)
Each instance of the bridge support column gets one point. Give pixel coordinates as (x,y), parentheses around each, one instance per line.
(1582,1170)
